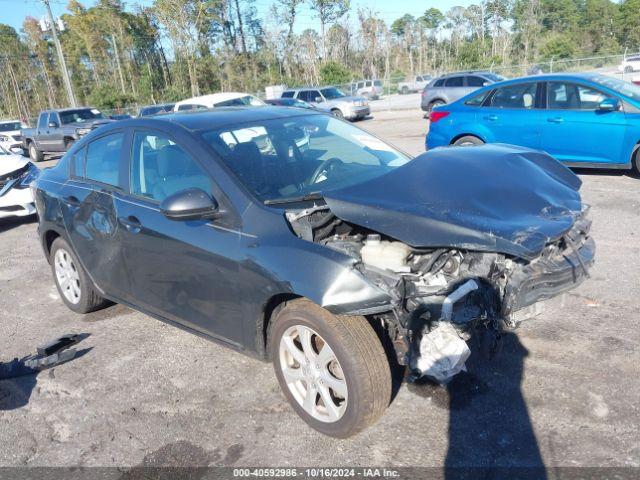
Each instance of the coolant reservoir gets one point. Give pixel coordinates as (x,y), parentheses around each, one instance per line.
(384,254)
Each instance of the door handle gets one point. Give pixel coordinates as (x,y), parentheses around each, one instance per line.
(491,118)
(555,119)
(131,223)
(72,200)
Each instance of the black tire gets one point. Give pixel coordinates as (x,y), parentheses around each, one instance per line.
(635,164)
(468,141)
(25,152)
(89,299)
(405,90)
(436,103)
(336,112)
(628,69)
(361,357)
(68,143)
(35,154)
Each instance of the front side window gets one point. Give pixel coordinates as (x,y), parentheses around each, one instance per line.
(572,96)
(332,93)
(102,162)
(160,168)
(80,115)
(377,83)
(453,82)
(521,96)
(474,81)
(282,159)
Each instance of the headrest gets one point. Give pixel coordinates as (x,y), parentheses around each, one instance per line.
(172,161)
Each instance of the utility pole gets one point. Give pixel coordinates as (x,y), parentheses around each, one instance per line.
(63,64)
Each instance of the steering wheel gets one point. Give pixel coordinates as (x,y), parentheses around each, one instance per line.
(324,168)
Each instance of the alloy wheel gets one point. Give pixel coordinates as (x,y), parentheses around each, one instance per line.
(313,374)
(67,276)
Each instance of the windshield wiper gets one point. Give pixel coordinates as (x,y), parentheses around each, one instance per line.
(302,198)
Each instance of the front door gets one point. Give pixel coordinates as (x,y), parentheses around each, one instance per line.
(184,271)
(575,131)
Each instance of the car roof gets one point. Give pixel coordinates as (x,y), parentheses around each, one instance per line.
(299,89)
(219,117)
(546,77)
(68,109)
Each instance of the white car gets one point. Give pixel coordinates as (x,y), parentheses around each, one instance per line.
(630,64)
(215,100)
(16,174)
(10,136)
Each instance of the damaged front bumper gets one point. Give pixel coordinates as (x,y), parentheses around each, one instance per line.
(16,198)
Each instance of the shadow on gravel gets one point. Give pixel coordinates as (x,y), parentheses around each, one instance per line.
(7,224)
(490,431)
(604,172)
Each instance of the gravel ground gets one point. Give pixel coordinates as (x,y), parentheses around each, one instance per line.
(563,392)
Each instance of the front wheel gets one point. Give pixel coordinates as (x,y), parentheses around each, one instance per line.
(337,113)
(35,154)
(628,69)
(332,369)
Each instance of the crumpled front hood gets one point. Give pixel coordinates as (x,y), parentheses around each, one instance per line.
(11,163)
(497,198)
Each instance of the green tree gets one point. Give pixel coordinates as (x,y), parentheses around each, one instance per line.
(333,73)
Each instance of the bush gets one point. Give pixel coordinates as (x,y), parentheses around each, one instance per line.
(108,97)
(333,73)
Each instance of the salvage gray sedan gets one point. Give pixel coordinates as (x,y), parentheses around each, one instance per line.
(298,238)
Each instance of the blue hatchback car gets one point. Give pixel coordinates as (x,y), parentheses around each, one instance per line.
(583,120)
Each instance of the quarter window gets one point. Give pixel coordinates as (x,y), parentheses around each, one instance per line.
(477,100)
(521,95)
(102,162)
(160,168)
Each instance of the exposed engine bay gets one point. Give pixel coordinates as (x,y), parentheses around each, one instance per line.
(440,296)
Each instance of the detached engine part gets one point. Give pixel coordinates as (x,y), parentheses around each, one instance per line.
(442,353)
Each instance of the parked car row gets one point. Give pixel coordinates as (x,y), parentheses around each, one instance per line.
(583,120)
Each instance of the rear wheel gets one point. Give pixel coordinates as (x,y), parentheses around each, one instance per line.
(636,162)
(436,103)
(468,141)
(35,154)
(75,287)
(332,369)
(68,143)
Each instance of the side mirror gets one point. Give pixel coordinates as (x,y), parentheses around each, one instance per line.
(189,204)
(53,124)
(609,105)
(318,100)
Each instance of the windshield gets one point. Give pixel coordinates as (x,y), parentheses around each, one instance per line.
(79,116)
(240,102)
(331,93)
(283,159)
(493,77)
(627,89)
(10,126)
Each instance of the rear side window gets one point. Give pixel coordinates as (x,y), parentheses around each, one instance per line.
(439,83)
(477,100)
(102,162)
(309,95)
(521,96)
(288,94)
(43,120)
(453,82)
(77,163)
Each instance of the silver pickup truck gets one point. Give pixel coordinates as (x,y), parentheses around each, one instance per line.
(58,129)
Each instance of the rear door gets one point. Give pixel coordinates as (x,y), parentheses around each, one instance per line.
(89,207)
(575,131)
(511,116)
(184,271)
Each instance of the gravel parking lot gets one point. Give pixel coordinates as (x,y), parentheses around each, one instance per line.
(563,392)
